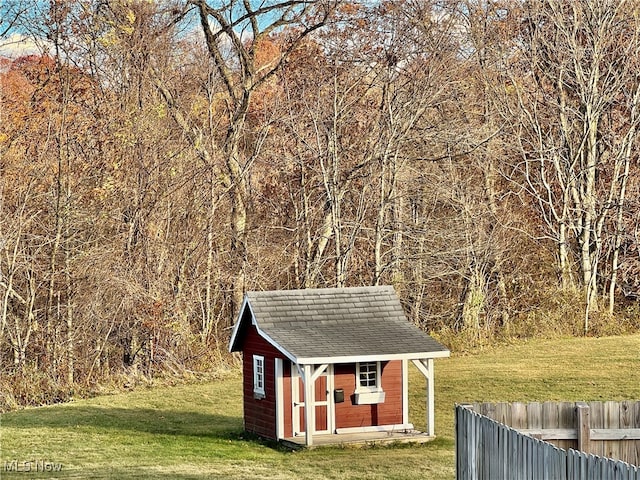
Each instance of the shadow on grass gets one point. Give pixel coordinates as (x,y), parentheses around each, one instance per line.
(160,422)
(179,423)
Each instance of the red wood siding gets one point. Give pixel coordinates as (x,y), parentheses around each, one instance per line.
(387,413)
(286,399)
(259,414)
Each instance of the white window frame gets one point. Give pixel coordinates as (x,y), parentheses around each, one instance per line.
(259,376)
(363,388)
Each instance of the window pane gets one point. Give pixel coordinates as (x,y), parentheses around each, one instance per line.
(368,374)
(258,374)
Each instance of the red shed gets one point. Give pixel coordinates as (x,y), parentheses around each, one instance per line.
(330,362)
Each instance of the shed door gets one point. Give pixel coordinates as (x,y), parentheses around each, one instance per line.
(323,407)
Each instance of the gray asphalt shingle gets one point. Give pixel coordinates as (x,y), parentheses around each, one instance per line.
(344,322)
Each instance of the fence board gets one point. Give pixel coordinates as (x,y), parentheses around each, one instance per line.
(612,421)
(634,456)
(552,433)
(550,415)
(596,416)
(485,438)
(539,448)
(568,419)
(562,465)
(528,458)
(475,447)
(522,446)
(534,415)
(503,413)
(496,464)
(518,415)
(627,451)
(611,434)
(488,410)
(512,468)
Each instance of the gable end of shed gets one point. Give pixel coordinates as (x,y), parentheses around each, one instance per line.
(246,319)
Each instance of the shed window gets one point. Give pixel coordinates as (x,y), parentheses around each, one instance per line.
(368,375)
(258,376)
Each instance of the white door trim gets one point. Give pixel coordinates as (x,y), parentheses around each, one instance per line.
(300,372)
(279,376)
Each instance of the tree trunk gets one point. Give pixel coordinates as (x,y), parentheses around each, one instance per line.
(238,185)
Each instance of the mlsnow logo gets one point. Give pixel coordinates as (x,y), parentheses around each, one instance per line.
(31,466)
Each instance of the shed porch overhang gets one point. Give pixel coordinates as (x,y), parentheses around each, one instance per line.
(309,372)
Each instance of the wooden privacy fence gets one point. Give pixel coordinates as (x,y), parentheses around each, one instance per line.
(487,449)
(606,429)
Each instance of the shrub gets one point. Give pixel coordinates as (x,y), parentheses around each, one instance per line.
(29,386)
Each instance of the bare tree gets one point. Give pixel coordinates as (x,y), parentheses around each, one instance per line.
(578,94)
(233,32)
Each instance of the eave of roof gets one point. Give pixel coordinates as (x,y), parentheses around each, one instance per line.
(372,358)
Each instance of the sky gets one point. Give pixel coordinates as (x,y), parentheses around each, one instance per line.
(14,42)
(17,45)
(17,42)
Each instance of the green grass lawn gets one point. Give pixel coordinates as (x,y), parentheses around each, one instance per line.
(195,431)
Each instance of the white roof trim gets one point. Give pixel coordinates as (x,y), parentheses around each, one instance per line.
(236,327)
(374,358)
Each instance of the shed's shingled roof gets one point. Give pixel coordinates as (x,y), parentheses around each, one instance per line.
(337,323)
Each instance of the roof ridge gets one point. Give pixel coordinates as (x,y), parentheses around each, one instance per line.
(304,291)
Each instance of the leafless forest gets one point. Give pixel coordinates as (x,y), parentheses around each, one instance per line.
(159,158)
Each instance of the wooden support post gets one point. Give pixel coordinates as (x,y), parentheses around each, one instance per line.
(584,427)
(426,368)
(309,405)
(431,405)
(405,392)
